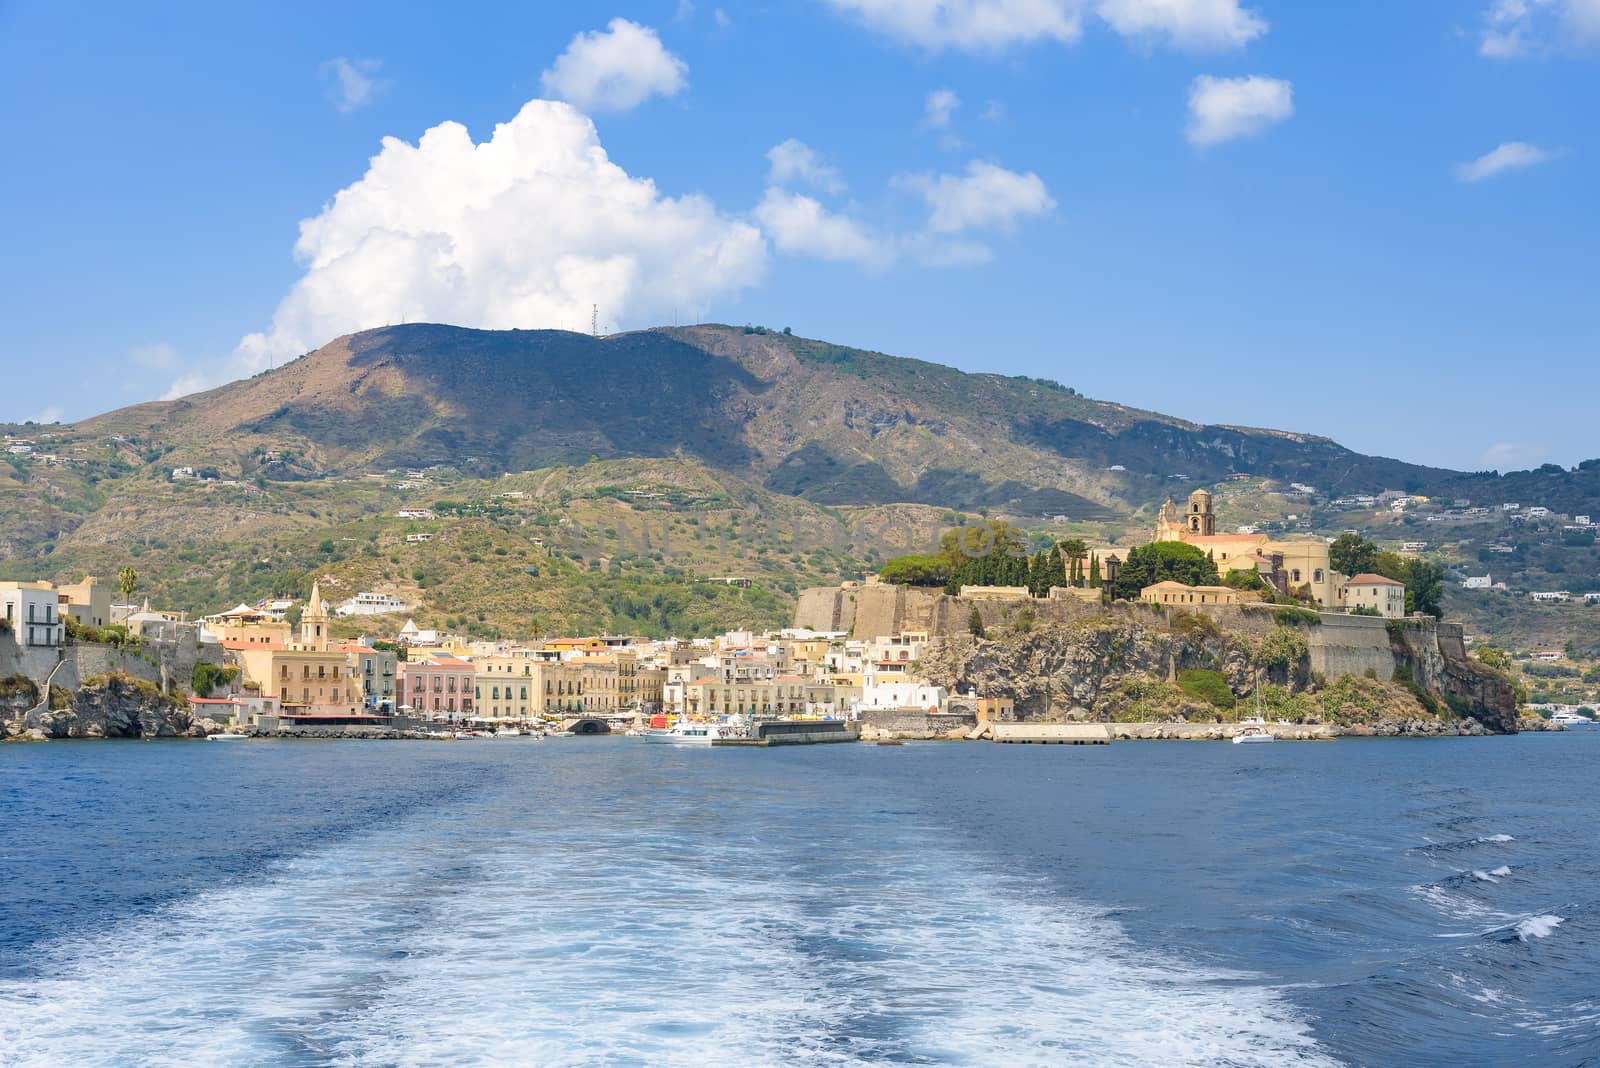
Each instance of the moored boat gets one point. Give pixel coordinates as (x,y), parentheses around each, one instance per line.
(1252,731)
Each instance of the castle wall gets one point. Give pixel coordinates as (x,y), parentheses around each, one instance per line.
(1350,645)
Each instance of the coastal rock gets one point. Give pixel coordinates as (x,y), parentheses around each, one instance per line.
(1165,668)
(109,706)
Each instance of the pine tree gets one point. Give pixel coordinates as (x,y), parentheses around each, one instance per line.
(975,622)
(1094,572)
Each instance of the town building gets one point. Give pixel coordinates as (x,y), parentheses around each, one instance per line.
(1177,594)
(32,612)
(1376,593)
(372,604)
(376,672)
(88,602)
(438,686)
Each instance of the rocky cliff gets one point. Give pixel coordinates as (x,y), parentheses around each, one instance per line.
(108,706)
(1140,666)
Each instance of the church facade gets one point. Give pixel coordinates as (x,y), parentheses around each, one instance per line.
(1293,566)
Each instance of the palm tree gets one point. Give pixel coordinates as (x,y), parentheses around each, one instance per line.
(127,582)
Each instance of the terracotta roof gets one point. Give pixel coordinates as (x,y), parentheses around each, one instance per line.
(1373,580)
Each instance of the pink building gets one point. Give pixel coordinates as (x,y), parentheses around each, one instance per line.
(436,686)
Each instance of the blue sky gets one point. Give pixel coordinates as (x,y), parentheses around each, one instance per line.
(1375,221)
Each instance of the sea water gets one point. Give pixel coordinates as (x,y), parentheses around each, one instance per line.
(600,901)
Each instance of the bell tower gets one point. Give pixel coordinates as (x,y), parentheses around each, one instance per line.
(314,622)
(1202,521)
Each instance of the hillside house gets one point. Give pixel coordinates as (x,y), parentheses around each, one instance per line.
(1376,593)
(33,612)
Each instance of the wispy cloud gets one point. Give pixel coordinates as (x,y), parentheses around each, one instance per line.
(1195,25)
(1222,109)
(353,83)
(795,161)
(1515,28)
(51,414)
(1513,456)
(156,356)
(937,109)
(996,25)
(1510,156)
(969,25)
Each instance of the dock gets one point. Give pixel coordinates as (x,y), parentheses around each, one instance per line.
(1043,733)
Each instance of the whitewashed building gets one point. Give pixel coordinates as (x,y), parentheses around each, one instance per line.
(32,612)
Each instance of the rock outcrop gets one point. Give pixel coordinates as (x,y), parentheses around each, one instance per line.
(109,706)
(1186,668)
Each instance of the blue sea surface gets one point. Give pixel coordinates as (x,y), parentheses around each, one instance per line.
(609,902)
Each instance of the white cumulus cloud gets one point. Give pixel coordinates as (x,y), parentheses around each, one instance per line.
(795,161)
(972,25)
(1510,156)
(987,196)
(1514,28)
(526,229)
(799,224)
(1221,109)
(616,69)
(1190,24)
(352,83)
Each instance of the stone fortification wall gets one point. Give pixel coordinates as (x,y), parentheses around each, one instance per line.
(911,723)
(826,608)
(168,660)
(1350,645)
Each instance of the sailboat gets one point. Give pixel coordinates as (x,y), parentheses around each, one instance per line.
(1254,731)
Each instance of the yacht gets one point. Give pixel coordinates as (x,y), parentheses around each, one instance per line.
(227,736)
(1568,718)
(687,732)
(508,732)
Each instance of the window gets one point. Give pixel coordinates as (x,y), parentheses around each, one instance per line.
(1316,576)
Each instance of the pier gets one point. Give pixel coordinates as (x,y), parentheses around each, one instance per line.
(796,732)
(1043,733)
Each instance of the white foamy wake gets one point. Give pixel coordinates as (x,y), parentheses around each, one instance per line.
(453,946)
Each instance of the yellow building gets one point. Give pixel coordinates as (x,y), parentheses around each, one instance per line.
(307,676)
(1296,566)
(1177,594)
(88,602)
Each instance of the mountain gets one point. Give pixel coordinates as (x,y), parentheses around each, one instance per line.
(843,445)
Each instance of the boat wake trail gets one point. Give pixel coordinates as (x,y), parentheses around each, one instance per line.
(679,943)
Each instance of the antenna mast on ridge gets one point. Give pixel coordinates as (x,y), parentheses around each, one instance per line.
(594,321)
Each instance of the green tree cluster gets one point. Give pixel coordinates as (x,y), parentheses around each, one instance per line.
(1161,561)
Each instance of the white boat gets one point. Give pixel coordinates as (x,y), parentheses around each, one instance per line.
(687,732)
(226,736)
(1253,732)
(1568,718)
(508,732)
